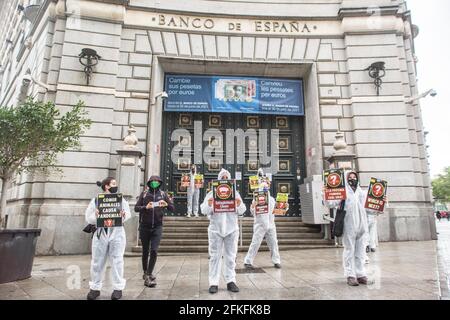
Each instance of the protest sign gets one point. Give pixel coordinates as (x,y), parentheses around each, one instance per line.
(224,196)
(198,181)
(281,205)
(376,195)
(109,206)
(261,199)
(334,183)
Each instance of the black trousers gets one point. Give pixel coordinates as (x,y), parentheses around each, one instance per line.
(150,239)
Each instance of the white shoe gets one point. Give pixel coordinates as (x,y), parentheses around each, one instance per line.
(188,215)
(196,215)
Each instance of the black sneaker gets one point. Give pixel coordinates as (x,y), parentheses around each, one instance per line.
(213,289)
(248,266)
(116,295)
(373,250)
(149,282)
(367,249)
(152,277)
(277,265)
(93,294)
(232,287)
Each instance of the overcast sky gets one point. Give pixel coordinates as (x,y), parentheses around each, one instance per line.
(433,51)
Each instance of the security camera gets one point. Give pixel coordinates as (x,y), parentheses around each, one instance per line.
(27,79)
(433,93)
(163,95)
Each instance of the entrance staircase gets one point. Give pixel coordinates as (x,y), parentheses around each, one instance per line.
(190,236)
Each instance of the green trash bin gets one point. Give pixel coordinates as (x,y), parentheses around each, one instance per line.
(17,248)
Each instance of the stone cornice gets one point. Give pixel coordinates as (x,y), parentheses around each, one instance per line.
(368,11)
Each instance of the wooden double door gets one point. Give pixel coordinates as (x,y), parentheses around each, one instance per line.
(190,136)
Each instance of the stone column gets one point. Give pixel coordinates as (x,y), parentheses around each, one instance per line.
(128,177)
(384,132)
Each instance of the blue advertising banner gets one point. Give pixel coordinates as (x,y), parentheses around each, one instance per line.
(191,93)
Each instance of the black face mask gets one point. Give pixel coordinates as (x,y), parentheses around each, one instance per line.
(353,182)
(113,189)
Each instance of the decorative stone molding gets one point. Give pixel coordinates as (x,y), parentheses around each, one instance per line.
(131,140)
(373,24)
(368,11)
(98,10)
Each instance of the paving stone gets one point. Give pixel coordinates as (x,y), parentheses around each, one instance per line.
(400,271)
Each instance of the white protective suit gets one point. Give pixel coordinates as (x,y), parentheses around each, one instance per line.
(264,226)
(193,195)
(223,234)
(107,244)
(355,230)
(372,240)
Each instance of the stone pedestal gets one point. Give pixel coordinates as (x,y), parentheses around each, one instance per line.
(127,175)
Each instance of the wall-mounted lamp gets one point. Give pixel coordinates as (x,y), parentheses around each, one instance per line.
(30,12)
(28,78)
(88,58)
(377,71)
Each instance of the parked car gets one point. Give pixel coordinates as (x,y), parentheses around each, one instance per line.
(442,212)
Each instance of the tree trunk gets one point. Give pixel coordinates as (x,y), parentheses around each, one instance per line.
(5,187)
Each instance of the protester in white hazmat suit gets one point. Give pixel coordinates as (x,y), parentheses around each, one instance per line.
(107,243)
(263,226)
(223,236)
(193,194)
(355,230)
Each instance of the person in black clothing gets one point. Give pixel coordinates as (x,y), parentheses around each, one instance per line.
(151,205)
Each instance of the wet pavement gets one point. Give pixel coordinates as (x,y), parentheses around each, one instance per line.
(400,270)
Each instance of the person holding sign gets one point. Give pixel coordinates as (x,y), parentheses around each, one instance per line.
(222,205)
(355,229)
(193,191)
(262,209)
(109,240)
(151,205)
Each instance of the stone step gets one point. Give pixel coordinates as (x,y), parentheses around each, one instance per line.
(246,235)
(196,249)
(194,221)
(196,229)
(204,242)
(203,218)
(244,222)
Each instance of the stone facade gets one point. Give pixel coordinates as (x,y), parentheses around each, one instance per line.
(328,43)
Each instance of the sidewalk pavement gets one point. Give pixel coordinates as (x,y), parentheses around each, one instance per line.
(400,270)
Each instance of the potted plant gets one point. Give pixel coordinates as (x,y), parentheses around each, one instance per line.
(31,136)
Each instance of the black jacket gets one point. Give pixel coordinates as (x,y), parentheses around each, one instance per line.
(151,218)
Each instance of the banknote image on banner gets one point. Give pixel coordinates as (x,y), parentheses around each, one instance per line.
(255,95)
